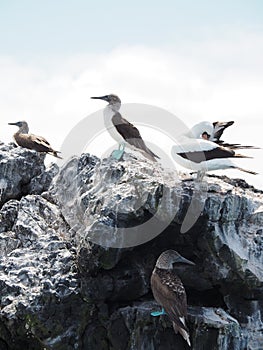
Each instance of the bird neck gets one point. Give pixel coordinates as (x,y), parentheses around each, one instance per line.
(193,133)
(197,130)
(164,265)
(114,106)
(108,113)
(23,130)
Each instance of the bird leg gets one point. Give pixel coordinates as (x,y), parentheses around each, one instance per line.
(200,175)
(158,313)
(118,153)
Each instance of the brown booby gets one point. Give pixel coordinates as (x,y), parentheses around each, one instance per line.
(169,292)
(121,130)
(30,141)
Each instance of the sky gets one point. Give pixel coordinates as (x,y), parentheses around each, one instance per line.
(198,60)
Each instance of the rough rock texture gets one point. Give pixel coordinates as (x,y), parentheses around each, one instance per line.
(60,289)
(22,171)
(212,328)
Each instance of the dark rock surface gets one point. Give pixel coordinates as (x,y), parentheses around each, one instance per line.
(22,172)
(212,328)
(60,289)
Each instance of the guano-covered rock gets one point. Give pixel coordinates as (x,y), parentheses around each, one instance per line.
(78,249)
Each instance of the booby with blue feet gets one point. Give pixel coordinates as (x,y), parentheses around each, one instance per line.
(169,292)
(121,130)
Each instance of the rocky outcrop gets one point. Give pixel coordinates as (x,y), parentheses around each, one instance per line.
(76,258)
(133,327)
(22,171)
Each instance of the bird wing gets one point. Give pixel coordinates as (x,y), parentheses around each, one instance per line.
(219,128)
(40,143)
(41,140)
(130,133)
(169,291)
(235,145)
(198,150)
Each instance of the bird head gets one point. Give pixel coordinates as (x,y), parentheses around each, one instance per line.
(205,135)
(23,126)
(111,99)
(170,257)
(200,129)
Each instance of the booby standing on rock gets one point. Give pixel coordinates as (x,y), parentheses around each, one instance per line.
(195,152)
(122,131)
(30,141)
(169,291)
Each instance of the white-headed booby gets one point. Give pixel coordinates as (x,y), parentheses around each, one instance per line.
(195,150)
(30,141)
(122,131)
(202,155)
(169,291)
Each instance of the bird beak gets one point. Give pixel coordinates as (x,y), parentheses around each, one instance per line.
(104,98)
(184,261)
(13,124)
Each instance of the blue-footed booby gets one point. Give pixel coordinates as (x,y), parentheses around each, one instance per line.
(196,152)
(169,292)
(121,130)
(30,141)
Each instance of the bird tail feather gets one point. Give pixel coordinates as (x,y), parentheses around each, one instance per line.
(237,155)
(244,147)
(247,171)
(151,153)
(149,156)
(184,333)
(55,154)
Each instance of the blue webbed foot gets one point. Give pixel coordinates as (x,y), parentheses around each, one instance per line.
(118,153)
(158,313)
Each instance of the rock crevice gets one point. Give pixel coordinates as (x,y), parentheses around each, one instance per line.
(78,248)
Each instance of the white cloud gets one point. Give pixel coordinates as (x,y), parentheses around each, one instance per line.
(220,79)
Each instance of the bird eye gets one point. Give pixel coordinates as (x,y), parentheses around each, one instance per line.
(205,135)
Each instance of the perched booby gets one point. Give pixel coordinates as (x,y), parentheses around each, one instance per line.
(30,141)
(202,155)
(169,291)
(197,152)
(121,130)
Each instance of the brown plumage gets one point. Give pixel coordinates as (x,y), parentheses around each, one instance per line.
(30,141)
(214,153)
(169,291)
(124,132)
(132,135)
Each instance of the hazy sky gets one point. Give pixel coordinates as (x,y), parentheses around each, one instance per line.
(32,27)
(201,60)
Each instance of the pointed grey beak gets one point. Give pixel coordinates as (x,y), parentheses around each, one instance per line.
(184,261)
(13,124)
(100,98)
